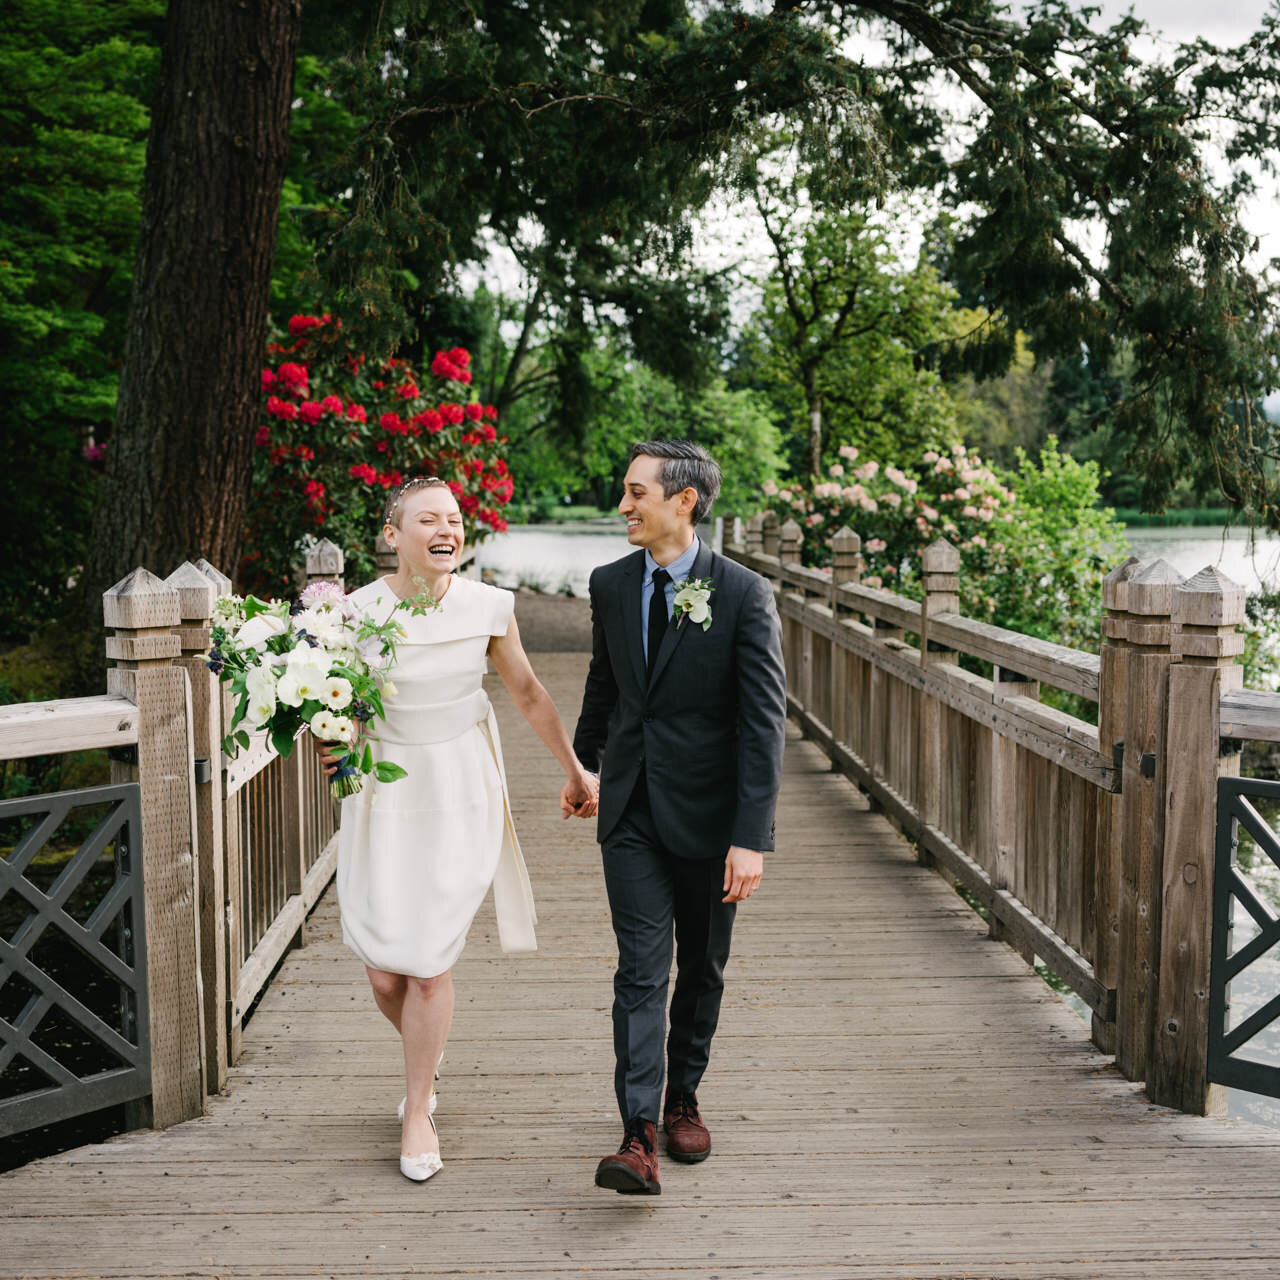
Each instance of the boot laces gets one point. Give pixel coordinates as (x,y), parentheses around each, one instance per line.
(684,1106)
(636,1136)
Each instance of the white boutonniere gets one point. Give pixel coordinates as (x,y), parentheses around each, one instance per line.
(693,601)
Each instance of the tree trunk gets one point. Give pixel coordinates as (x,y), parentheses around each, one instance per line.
(179,463)
(813,399)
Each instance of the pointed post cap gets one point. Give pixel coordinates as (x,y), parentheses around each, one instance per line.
(216,576)
(196,593)
(1209,599)
(1151,588)
(325,559)
(139,600)
(845,540)
(791,532)
(1115,586)
(940,557)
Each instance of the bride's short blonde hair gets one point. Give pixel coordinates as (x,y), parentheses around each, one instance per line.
(395,503)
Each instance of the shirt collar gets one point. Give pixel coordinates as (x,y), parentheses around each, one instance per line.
(679,568)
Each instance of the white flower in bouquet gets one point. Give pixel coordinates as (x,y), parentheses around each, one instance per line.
(228,611)
(330,728)
(326,624)
(260,686)
(305,675)
(336,693)
(255,633)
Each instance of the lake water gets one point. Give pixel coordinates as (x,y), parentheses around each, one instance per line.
(1189,550)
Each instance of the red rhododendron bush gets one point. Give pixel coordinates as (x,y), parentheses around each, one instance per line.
(339,431)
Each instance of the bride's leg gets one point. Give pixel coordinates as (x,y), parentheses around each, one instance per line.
(388,993)
(426,1012)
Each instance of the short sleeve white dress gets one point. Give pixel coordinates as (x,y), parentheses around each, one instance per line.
(417,856)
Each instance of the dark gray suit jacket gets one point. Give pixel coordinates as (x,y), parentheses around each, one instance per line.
(708,727)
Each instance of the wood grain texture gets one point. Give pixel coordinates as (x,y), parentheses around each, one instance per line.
(891,1094)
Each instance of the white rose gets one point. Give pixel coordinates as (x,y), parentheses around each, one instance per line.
(389,689)
(336,693)
(258,630)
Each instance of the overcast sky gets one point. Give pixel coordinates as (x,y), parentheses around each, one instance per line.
(1223,21)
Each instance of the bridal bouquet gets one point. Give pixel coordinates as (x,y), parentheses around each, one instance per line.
(317,664)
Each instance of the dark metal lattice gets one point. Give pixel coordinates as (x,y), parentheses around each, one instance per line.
(1227,1065)
(107,946)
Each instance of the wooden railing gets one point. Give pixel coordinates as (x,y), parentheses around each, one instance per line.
(235,852)
(1089,846)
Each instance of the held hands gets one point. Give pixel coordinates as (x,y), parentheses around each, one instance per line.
(580,795)
(325,751)
(742,871)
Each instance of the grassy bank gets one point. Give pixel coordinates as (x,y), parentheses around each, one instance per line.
(1185,516)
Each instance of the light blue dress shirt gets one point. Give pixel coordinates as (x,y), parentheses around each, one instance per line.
(680,567)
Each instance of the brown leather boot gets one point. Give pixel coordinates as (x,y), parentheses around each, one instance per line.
(688,1139)
(634,1169)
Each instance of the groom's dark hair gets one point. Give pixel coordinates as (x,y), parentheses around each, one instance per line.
(685,465)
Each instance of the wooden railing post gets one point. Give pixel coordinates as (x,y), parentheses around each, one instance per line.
(143,612)
(799,652)
(196,594)
(325,562)
(769,533)
(846,566)
(755,534)
(940,562)
(387,557)
(1112,701)
(1206,612)
(232,913)
(1150,599)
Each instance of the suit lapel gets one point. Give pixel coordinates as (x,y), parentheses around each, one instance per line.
(675,634)
(632,584)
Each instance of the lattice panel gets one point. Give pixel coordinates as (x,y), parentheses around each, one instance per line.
(1241,1051)
(73,986)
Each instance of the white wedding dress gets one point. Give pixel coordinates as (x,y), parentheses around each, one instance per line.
(417,856)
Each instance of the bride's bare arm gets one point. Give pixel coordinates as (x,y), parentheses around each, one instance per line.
(534,703)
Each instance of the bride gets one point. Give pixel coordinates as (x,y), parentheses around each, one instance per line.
(417,856)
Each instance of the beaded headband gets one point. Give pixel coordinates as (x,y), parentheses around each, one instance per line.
(417,482)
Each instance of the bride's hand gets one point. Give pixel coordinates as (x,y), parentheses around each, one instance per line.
(580,795)
(325,751)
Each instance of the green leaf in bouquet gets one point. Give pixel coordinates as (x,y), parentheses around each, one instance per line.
(242,738)
(366,764)
(253,606)
(228,745)
(282,740)
(388,771)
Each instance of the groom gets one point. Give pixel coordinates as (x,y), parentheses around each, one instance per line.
(683,717)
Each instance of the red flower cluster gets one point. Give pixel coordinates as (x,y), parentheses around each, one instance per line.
(329,413)
(453,365)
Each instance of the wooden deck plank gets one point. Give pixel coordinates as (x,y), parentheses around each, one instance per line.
(892,1094)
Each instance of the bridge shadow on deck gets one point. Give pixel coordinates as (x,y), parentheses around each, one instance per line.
(891,1094)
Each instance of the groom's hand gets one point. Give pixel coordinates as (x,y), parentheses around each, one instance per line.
(580,797)
(742,871)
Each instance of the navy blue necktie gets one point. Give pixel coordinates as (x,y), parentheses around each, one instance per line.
(657,614)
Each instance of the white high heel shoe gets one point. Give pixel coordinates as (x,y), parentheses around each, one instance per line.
(420,1168)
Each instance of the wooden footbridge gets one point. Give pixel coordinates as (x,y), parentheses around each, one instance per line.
(893,1092)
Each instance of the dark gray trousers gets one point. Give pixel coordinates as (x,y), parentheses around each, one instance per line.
(650,889)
